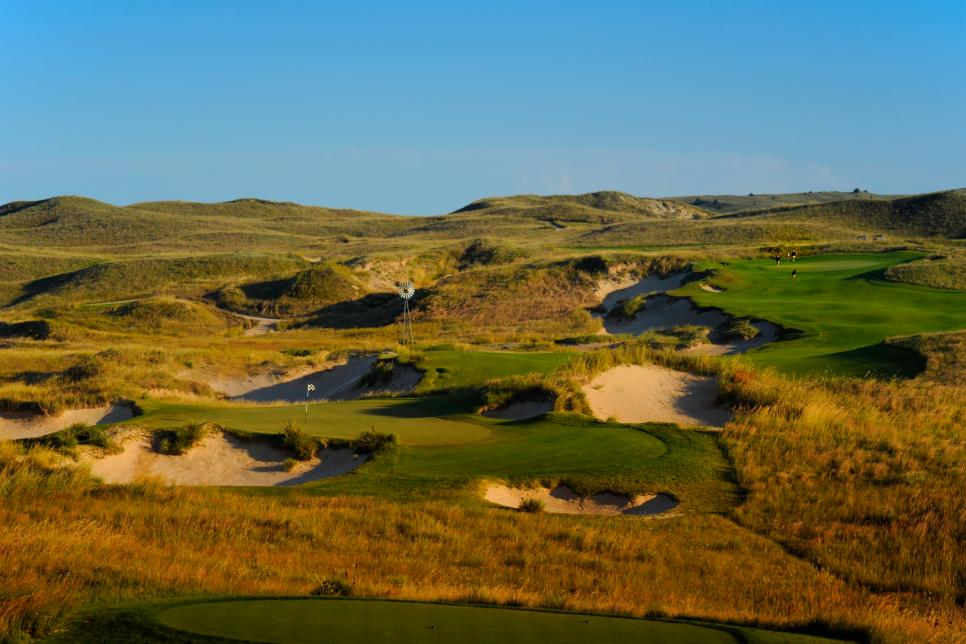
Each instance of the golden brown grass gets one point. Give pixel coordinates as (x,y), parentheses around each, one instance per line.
(69,544)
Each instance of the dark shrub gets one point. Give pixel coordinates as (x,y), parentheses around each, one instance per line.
(302,445)
(178,441)
(373,442)
(531,505)
(332,588)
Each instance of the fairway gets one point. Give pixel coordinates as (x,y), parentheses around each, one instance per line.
(841,305)
(448,369)
(321,621)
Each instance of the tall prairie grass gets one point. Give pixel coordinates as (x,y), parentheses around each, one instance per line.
(67,545)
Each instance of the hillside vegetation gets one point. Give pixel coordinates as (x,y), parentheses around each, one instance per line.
(731,204)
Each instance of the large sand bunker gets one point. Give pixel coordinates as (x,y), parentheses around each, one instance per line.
(219,459)
(665,312)
(16,424)
(339,381)
(649,393)
(611,292)
(563,500)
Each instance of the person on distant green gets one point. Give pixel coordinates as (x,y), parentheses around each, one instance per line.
(794,273)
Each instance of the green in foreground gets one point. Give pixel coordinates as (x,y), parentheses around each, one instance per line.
(349,621)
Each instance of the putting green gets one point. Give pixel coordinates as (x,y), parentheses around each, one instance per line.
(843,307)
(347,621)
(364,621)
(414,421)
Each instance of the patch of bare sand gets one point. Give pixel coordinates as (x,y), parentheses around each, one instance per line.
(15,425)
(649,393)
(767,332)
(563,500)
(219,459)
(337,381)
(711,288)
(612,291)
(520,410)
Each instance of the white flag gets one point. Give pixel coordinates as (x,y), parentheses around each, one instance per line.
(311,387)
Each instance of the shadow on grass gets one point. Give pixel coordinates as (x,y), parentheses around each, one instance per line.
(881,361)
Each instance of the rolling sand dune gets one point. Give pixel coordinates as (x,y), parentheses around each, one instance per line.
(649,393)
(563,500)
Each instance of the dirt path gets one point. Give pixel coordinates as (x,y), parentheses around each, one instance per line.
(563,500)
(649,393)
(15,425)
(220,459)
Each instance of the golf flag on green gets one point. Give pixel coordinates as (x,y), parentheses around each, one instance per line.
(308,388)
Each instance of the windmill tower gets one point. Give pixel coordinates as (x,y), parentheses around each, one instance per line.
(406,292)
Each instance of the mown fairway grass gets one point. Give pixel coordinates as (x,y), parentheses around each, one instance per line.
(843,307)
(452,369)
(350,621)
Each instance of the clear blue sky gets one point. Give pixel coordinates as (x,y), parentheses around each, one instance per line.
(423,107)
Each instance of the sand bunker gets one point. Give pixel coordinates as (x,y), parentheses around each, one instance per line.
(520,410)
(15,424)
(219,459)
(665,312)
(711,288)
(611,292)
(649,393)
(338,381)
(563,500)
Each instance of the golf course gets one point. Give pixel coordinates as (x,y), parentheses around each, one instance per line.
(550,442)
(838,310)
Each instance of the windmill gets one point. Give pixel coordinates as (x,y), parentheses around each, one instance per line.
(406,292)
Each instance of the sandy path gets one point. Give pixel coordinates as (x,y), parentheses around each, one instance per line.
(520,410)
(15,425)
(220,459)
(649,393)
(563,500)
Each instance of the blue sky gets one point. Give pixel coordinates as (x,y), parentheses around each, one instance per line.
(422,107)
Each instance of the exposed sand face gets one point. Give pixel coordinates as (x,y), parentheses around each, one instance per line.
(520,410)
(611,292)
(15,425)
(649,393)
(664,312)
(563,500)
(220,459)
(335,382)
(768,332)
(711,288)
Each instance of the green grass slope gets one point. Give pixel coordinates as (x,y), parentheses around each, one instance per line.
(842,305)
